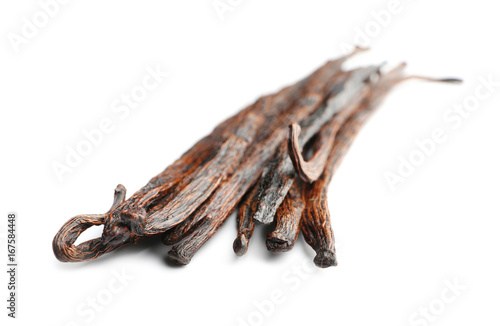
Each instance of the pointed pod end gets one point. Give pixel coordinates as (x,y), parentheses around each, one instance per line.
(450,80)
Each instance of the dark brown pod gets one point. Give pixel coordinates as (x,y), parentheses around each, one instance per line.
(316,222)
(288,216)
(245,223)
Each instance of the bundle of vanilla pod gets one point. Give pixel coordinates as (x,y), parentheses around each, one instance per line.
(272,163)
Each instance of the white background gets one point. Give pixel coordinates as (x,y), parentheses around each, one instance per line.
(396,249)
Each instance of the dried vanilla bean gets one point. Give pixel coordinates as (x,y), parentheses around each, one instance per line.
(245,223)
(316,222)
(288,216)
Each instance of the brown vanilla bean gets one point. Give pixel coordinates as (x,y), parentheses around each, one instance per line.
(245,223)
(316,221)
(288,216)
